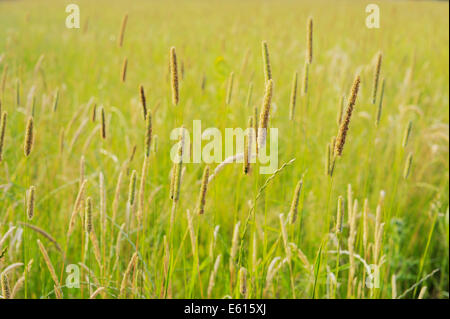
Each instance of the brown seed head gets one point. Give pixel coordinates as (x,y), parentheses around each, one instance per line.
(30,202)
(342,134)
(174,75)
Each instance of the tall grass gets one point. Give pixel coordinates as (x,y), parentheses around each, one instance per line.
(95,191)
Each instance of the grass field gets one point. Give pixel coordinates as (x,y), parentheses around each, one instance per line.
(130,239)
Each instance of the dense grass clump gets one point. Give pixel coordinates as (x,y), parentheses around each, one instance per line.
(87,180)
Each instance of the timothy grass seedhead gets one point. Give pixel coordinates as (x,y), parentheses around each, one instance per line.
(342,134)
(266,60)
(203,190)
(30,202)
(174,75)
(29,137)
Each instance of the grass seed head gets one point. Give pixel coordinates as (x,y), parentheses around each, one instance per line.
(248,100)
(143,100)
(407,134)
(132,188)
(408,165)
(243,281)
(265,113)
(6,290)
(376,77)
(30,202)
(309,40)
(174,75)
(122,30)
(266,59)
(342,134)
(229,88)
(29,137)
(88,215)
(203,190)
(103,130)
(380,103)
(148,134)
(293,97)
(123,76)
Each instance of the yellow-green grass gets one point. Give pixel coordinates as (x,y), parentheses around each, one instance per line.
(213,39)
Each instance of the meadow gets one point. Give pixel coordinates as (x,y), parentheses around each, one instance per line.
(93,206)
